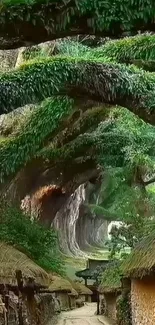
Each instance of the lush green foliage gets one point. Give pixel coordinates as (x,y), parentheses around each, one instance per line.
(83,68)
(128,49)
(41,78)
(35,240)
(121,15)
(44,120)
(123,195)
(137,49)
(34,81)
(111,277)
(124,316)
(123,145)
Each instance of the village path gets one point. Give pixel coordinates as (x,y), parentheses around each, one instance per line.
(82,316)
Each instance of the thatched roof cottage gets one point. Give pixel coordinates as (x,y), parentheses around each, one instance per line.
(140,268)
(20,279)
(11,260)
(84,293)
(109,290)
(61,287)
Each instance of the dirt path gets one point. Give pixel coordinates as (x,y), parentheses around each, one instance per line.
(81,316)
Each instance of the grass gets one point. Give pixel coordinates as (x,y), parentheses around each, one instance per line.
(73,264)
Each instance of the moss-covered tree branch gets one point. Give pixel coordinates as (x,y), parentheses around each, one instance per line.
(138,50)
(110,83)
(16,151)
(23,23)
(86,122)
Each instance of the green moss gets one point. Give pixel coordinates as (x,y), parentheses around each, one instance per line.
(141,261)
(140,47)
(15,151)
(87,121)
(34,81)
(123,307)
(111,278)
(120,14)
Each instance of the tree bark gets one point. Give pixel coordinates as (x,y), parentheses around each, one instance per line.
(37,175)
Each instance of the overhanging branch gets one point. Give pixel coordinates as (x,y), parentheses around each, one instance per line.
(109,83)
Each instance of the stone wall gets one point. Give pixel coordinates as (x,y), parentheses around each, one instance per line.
(101,304)
(45,310)
(143,302)
(47,307)
(110,305)
(64,300)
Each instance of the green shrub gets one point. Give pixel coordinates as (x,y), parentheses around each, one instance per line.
(124,309)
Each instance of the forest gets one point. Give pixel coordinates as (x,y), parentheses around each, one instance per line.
(77,135)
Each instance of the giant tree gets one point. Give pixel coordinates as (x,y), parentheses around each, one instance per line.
(57,146)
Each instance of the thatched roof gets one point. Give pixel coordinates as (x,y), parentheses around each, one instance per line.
(11,259)
(58,283)
(111,279)
(73,293)
(141,261)
(81,288)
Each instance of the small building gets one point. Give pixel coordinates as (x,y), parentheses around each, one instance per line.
(92,270)
(109,291)
(139,267)
(84,293)
(20,280)
(61,287)
(90,275)
(92,264)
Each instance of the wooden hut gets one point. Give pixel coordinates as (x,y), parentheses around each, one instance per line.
(61,287)
(84,293)
(140,268)
(109,290)
(20,280)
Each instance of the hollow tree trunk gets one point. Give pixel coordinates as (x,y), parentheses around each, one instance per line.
(38,177)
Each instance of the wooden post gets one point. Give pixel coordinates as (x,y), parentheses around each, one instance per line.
(98,300)
(4,311)
(20,300)
(5,316)
(7,308)
(98,304)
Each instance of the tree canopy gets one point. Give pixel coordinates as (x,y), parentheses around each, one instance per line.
(70,131)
